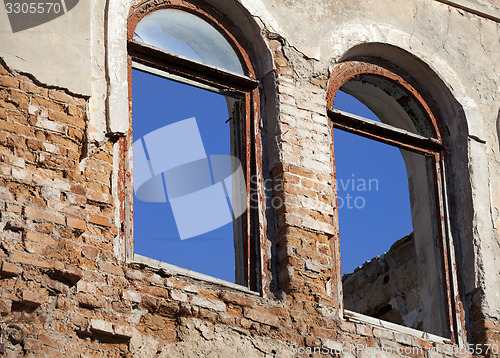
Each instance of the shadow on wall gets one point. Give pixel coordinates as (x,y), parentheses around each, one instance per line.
(498,128)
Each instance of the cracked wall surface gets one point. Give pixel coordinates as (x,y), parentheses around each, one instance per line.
(64,115)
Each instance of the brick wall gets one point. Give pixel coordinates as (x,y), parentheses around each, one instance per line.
(64,293)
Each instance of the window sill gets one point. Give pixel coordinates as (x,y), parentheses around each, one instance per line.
(355,317)
(175,270)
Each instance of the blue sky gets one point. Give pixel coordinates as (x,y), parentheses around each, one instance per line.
(158,102)
(372,185)
(378,214)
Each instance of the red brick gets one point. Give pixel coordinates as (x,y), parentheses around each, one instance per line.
(237,300)
(42,102)
(16,128)
(29,87)
(9,269)
(44,215)
(261,317)
(90,300)
(76,223)
(55,285)
(111,268)
(34,298)
(40,239)
(18,96)
(29,259)
(99,220)
(10,82)
(5,306)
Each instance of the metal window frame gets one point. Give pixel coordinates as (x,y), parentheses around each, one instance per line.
(212,78)
(430,147)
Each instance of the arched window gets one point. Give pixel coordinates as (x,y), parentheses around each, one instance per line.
(193,102)
(423,293)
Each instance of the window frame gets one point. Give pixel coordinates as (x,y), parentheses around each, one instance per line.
(433,148)
(209,77)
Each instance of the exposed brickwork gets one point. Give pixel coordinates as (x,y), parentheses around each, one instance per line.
(62,284)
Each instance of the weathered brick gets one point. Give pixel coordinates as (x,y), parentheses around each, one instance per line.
(12,160)
(101,326)
(29,259)
(99,197)
(9,82)
(131,296)
(99,220)
(33,298)
(76,223)
(90,300)
(9,269)
(55,285)
(44,215)
(182,286)
(178,296)
(63,117)
(16,128)
(29,87)
(261,317)
(35,249)
(69,272)
(45,103)
(111,268)
(237,300)
(65,303)
(5,306)
(40,238)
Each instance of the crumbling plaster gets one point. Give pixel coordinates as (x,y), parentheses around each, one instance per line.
(461,48)
(201,339)
(67,52)
(56,53)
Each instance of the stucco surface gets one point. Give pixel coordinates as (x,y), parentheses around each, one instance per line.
(56,53)
(454,54)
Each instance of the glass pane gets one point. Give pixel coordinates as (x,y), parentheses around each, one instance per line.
(188,35)
(372,189)
(186,176)
(391,103)
(388,229)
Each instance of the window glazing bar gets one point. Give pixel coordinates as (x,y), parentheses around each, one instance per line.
(383,132)
(194,70)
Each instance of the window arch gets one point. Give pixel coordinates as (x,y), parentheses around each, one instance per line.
(193,102)
(409,121)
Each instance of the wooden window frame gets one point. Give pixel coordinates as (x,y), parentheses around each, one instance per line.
(202,75)
(430,147)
